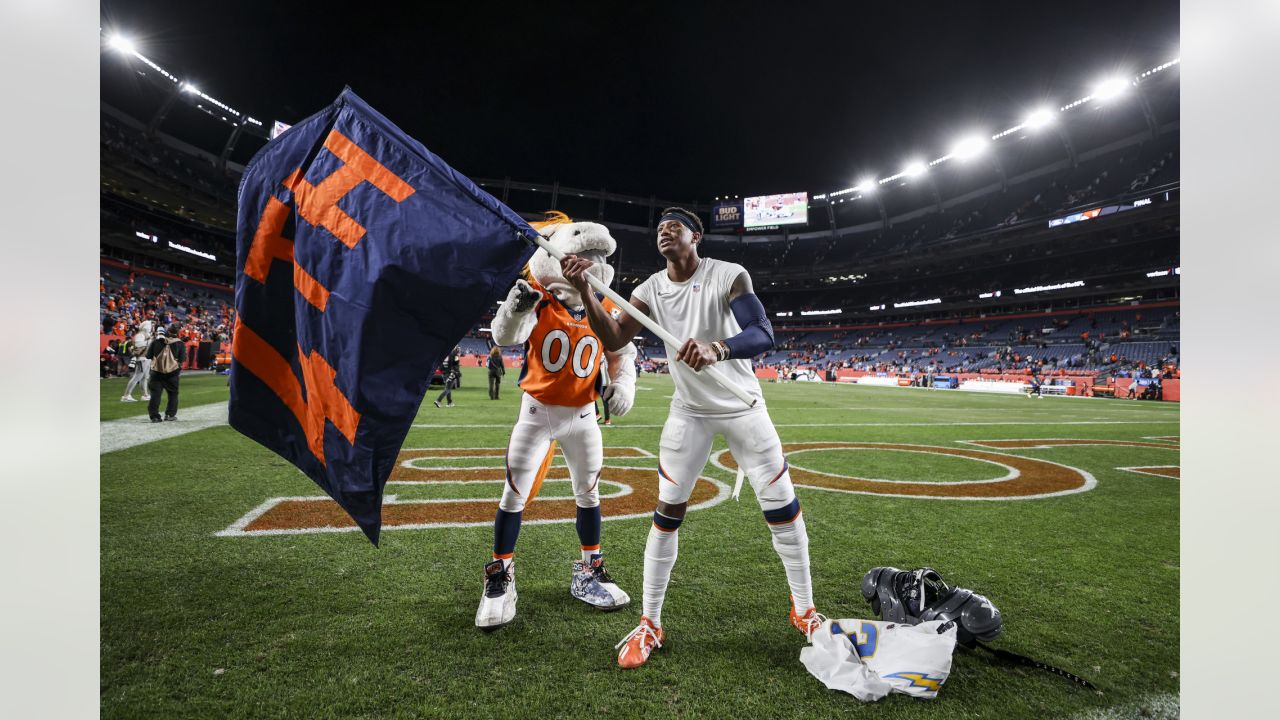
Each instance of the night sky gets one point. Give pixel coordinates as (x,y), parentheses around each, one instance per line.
(683,100)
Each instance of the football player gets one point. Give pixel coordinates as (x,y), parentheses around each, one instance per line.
(711,303)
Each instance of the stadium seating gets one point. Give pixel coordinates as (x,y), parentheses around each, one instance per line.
(935,243)
(126,298)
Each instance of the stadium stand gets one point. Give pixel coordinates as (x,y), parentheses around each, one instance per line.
(1053,257)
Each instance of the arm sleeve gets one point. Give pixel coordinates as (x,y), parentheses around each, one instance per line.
(757,332)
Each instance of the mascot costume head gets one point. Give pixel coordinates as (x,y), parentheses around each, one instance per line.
(588,240)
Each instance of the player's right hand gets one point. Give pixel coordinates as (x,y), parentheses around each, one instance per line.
(696,354)
(575,271)
(522,297)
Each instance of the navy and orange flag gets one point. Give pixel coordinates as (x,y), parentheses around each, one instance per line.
(362,260)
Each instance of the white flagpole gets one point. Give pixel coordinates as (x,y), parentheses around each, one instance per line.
(648,322)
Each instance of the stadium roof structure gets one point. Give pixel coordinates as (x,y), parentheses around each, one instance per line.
(1046,118)
(628,99)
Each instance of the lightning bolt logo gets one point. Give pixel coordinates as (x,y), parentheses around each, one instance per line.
(920,680)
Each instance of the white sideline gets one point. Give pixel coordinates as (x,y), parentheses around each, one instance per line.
(133,431)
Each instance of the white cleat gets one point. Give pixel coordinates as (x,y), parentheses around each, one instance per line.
(498,603)
(127,398)
(592,585)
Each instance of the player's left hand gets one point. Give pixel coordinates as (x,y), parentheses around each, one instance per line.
(575,271)
(696,354)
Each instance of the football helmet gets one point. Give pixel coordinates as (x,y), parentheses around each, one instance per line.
(915,596)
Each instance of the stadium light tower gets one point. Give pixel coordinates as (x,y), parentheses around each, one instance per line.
(121,44)
(1045,117)
(1039,118)
(869,186)
(918,169)
(969,147)
(1111,88)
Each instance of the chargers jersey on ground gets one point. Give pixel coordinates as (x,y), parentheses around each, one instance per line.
(698,308)
(562,357)
(870,659)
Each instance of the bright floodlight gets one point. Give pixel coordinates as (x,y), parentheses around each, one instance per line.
(969,147)
(188,87)
(121,44)
(1039,118)
(1110,88)
(915,168)
(866,185)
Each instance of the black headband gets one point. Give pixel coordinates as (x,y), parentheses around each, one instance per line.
(682,218)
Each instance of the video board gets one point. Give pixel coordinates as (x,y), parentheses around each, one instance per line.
(782,209)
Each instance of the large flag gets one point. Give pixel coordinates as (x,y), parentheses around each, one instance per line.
(362,260)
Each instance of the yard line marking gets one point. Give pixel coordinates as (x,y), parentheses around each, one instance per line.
(240,528)
(1050,443)
(621,490)
(134,431)
(409,457)
(1018,483)
(917,408)
(624,426)
(1011,473)
(1164,471)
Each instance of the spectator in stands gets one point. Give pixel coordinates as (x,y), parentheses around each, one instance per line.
(166,355)
(107,361)
(496,370)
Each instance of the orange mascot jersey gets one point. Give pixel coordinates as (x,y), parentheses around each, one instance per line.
(562,355)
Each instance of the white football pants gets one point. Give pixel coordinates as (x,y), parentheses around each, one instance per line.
(141,376)
(682,454)
(575,429)
(686,444)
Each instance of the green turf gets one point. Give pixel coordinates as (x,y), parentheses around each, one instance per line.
(194,388)
(326,626)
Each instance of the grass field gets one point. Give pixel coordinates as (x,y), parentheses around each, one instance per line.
(197,624)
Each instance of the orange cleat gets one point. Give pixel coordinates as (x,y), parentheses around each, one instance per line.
(636,646)
(809,622)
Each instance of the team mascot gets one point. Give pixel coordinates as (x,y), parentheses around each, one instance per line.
(139,362)
(561,379)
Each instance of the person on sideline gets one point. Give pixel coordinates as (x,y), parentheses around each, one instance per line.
(167,356)
(496,370)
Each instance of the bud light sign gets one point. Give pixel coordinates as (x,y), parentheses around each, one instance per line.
(726,215)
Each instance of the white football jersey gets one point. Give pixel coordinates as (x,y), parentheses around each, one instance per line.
(698,308)
(870,659)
